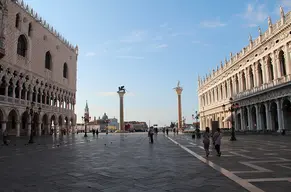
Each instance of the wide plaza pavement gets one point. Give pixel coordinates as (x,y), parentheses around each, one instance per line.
(256,162)
(128,162)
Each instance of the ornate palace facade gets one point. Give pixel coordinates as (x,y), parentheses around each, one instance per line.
(37,68)
(258,79)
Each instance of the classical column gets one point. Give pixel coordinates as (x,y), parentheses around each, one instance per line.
(17,128)
(268,116)
(3,126)
(258,118)
(250,122)
(247,78)
(242,118)
(13,91)
(121,93)
(277,66)
(20,92)
(179,93)
(265,68)
(280,114)
(55,128)
(287,59)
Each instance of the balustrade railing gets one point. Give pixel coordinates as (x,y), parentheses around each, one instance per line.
(264,87)
(25,103)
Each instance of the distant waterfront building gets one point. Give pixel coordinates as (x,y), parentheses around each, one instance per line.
(258,79)
(37,66)
(136,125)
(101,124)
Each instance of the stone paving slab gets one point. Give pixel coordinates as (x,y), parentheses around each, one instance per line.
(251,157)
(116,162)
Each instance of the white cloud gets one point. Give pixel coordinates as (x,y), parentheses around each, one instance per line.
(201,43)
(161,46)
(212,24)
(255,14)
(90,54)
(109,94)
(134,37)
(130,57)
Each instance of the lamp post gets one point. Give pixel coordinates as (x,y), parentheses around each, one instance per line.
(31,111)
(107,121)
(86,120)
(233,108)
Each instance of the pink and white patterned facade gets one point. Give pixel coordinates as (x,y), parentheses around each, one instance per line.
(37,65)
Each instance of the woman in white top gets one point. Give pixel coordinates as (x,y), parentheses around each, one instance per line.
(217,141)
(206,140)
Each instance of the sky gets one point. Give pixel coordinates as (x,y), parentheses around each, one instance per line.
(148,45)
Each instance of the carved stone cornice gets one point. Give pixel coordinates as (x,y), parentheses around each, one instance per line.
(267,96)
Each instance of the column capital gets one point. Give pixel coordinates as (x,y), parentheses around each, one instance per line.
(121,93)
(179,90)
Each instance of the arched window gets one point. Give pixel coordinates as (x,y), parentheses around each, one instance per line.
(29,29)
(221,92)
(270,69)
(48,60)
(236,85)
(243,77)
(17,20)
(252,83)
(65,71)
(282,63)
(260,73)
(21,46)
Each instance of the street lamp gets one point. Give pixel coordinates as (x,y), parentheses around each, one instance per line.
(233,108)
(107,121)
(31,111)
(86,120)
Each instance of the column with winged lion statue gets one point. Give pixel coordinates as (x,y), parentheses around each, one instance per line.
(179,90)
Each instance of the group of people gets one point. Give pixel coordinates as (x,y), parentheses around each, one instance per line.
(216,140)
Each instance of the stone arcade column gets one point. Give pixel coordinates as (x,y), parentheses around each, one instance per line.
(250,122)
(258,118)
(3,126)
(280,115)
(121,93)
(287,59)
(268,116)
(18,129)
(179,93)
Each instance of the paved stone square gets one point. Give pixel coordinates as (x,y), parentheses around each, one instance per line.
(261,160)
(114,162)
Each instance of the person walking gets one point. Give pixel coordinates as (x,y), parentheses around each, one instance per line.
(206,140)
(5,137)
(151,135)
(217,141)
(167,131)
